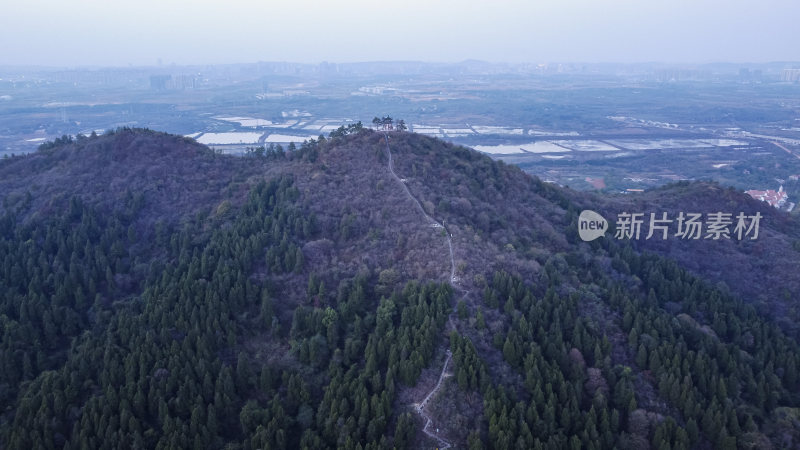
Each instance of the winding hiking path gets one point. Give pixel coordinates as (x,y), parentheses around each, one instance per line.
(431,221)
(420,407)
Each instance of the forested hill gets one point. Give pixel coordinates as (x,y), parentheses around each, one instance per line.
(156,294)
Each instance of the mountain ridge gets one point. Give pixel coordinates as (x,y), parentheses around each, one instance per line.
(300,280)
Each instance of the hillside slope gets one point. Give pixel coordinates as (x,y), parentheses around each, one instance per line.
(154,294)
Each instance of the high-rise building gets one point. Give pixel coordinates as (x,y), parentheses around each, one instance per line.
(791,75)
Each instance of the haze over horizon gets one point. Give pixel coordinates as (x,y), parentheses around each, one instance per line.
(100,33)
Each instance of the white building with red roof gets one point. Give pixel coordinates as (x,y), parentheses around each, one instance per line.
(774,198)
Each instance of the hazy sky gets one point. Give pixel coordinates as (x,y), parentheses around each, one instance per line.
(140,32)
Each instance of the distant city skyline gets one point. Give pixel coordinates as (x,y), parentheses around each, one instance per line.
(149,32)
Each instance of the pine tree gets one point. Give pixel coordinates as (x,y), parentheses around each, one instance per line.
(480,323)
